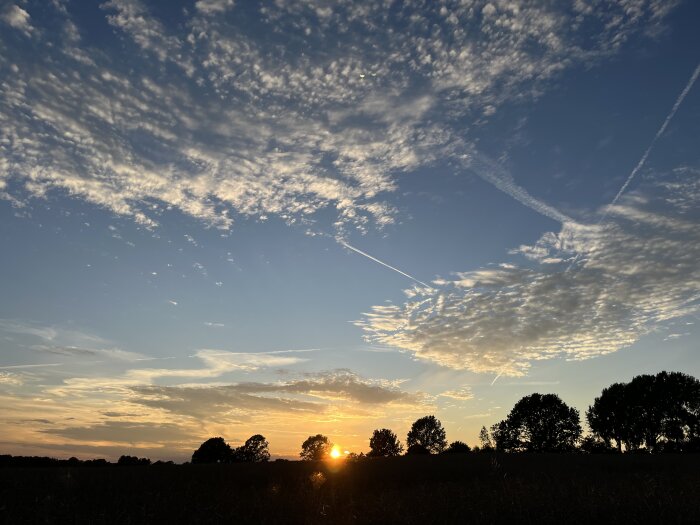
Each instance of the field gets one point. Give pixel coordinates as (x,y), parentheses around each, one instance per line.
(471,488)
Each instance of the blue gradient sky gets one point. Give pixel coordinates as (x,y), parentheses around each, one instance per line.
(179,183)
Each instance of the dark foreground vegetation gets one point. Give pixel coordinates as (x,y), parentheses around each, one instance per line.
(424,489)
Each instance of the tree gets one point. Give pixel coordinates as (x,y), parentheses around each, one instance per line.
(457,447)
(659,412)
(427,432)
(254,450)
(609,417)
(485,440)
(315,448)
(132,461)
(417,450)
(538,423)
(213,450)
(384,443)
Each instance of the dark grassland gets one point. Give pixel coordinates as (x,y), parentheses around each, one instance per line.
(470,488)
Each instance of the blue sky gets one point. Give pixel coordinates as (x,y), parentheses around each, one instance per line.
(187,190)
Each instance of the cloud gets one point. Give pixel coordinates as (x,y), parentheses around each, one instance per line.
(69,342)
(16,17)
(460,394)
(313,393)
(253,130)
(132,433)
(638,270)
(213,6)
(10,379)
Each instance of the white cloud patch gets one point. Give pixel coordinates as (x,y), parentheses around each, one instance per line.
(207,118)
(459,394)
(10,379)
(16,17)
(638,270)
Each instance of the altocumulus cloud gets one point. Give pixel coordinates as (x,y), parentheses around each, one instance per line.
(207,118)
(638,270)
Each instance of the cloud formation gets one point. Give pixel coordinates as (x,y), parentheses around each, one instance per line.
(208,119)
(312,394)
(637,271)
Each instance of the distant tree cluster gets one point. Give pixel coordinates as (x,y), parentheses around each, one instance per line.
(216,450)
(133,461)
(658,412)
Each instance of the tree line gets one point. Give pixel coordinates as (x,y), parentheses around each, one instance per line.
(651,413)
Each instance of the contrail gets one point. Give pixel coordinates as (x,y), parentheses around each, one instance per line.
(381,262)
(12,367)
(496,175)
(641,162)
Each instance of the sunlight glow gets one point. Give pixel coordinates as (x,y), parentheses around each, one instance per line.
(335,452)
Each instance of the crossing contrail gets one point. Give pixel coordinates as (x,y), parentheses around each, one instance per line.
(343,243)
(641,162)
(495,174)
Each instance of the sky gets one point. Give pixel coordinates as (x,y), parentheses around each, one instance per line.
(224,218)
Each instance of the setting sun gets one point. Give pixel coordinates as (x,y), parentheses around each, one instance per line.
(335,452)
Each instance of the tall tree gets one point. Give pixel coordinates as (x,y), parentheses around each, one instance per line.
(384,443)
(609,417)
(427,432)
(315,447)
(538,423)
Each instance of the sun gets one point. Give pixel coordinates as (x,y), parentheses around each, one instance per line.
(335,452)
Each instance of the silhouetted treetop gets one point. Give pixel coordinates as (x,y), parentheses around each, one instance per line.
(457,447)
(384,443)
(427,432)
(315,448)
(417,450)
(538,423)
(213,450)
(254,450)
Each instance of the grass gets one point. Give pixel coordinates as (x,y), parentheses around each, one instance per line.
(471,488)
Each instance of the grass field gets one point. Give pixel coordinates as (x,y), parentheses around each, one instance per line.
(472,488)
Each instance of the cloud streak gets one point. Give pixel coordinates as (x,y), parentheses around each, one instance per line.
(356,250)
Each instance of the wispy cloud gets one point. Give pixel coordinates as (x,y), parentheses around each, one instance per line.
(638,270)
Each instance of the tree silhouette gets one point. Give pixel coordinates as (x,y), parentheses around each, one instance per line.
(661,412)
(457,447)
(417,450)
(384,443)
(609,416)
(128,461)
(485,440)
(254,450)
(213,450)
(315,448)
(427,432)
(538,423)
